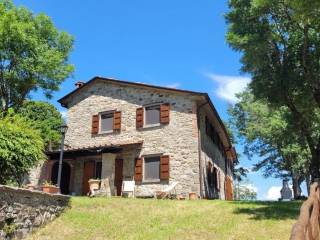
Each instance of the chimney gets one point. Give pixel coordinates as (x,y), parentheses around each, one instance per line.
(79,84)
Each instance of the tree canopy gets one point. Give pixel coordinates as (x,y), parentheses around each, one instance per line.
(267,132)
(21,148)
(280,46)
(44,117)
(33,55)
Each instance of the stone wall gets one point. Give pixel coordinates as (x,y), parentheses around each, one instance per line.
(22,211)
(177,139)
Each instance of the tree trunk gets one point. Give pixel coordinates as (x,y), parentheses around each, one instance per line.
(315,164)
(308,183)
(296,182)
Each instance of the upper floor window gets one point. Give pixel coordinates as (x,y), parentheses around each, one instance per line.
(152,115)
(106,122)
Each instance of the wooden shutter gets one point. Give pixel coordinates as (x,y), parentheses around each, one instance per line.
(165,113)
(164,167)
(95,124)
(138,170)
(139,117)
(117,121)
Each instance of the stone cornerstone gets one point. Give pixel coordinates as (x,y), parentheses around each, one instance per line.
(22,211)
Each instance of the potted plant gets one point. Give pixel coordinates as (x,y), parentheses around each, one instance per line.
(193,196)
(48,187)
(94,184)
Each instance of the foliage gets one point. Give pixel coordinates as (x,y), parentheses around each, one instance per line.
(45,118)
(107,218)
(280,46)
(21,148)
(245,191)
(267,132)
(48,184)
(238,172)
(33,55)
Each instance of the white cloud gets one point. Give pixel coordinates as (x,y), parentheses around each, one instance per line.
(173,85)
(229,86)
(273,193)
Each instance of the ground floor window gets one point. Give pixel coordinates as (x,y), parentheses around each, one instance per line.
(151,168)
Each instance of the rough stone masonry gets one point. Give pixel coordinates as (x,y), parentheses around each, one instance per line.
(22,210)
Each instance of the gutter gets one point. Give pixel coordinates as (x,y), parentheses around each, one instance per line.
(199,149)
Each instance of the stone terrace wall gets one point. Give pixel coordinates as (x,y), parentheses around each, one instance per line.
(22,211)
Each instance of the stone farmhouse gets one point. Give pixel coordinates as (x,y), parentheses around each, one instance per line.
(155,135)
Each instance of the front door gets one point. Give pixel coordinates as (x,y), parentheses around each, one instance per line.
(88,173)
(118,175)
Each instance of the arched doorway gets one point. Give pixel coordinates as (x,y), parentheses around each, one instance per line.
(65,176)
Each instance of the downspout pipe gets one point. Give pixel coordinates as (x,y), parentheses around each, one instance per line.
(199,149)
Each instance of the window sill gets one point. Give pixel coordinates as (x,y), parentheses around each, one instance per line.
(106,132)
(152,181)
(152,125)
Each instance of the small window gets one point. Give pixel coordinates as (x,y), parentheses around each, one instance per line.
(152,168)
(152,115)
(98,170)
(106,122)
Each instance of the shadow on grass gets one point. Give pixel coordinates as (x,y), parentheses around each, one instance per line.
(269,210)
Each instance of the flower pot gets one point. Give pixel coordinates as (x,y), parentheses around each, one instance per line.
(193,196)
(94,184)
(50,189)
(30,187)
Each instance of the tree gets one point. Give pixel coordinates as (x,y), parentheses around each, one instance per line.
(245,191)
(268,133)
(33,55)
(239,173)
(45,118)
(280,46)
(21,148)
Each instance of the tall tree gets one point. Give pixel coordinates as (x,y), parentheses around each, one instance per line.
(269,133)
(21,148)
(45,118)
(33,55)
(280,46)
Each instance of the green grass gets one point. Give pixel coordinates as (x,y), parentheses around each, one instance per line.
(119,218)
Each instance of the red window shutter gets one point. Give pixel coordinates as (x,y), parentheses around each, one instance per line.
(95,124)
(164,167)
(138,170)
(139,117)
(117,121)
(165,113)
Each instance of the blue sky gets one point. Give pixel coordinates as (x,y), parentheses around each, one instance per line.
(170,43)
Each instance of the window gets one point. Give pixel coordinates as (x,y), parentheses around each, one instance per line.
(98,170)
(106,122)
(152,168)
(152,115)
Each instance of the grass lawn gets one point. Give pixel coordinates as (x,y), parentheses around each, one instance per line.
(118,218)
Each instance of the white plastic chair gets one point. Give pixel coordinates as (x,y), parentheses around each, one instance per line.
(128,187)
